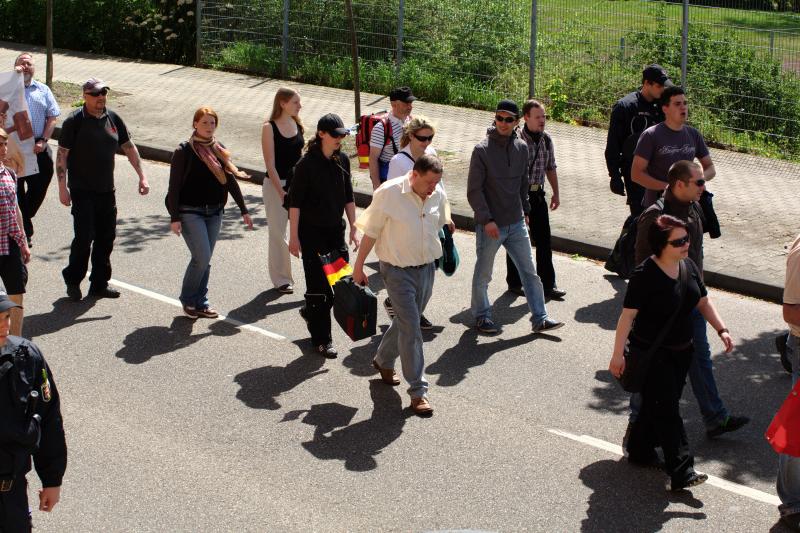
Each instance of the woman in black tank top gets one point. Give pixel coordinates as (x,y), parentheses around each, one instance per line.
(282,144)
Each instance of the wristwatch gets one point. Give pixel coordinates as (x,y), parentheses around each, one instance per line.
(721,331)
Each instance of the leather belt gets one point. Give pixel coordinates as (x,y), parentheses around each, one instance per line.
(6,485)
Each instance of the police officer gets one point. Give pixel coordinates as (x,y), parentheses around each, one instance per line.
(30,426)
(630,116)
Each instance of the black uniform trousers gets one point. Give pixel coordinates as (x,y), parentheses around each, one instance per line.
(539,218)
(32,189)
(635,194)
(319,296)
(94,216)
(659,422)
(15,515)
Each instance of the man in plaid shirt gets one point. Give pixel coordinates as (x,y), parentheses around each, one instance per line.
(541,163)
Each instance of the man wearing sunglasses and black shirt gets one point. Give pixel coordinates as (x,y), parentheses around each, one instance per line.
(87,146)
(685,186)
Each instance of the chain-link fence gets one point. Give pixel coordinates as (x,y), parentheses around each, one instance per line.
(741,58)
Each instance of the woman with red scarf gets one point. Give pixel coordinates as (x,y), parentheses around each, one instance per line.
(201,176)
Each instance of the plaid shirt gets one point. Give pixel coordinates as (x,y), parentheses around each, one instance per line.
(541,156)
(41,106)
(8,211)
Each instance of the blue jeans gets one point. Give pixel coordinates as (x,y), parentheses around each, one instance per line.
(409,289)
(701,376)
(788,466)
(518,247)
(200,229)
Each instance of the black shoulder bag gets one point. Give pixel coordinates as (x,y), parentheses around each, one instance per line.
(637,361)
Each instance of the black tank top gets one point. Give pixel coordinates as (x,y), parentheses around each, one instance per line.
(287,153)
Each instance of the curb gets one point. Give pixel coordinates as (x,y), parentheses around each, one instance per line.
(464,221)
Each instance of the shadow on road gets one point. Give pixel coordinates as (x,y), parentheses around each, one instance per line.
(260,387)
(360,359)
(626,498)
(357,444)
(145,343)
(65,313)
(751,382)
(261,307)
(605,313)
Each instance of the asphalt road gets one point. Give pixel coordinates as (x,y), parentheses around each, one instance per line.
(233,425)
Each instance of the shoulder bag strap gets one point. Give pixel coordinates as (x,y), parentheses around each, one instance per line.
(407,155)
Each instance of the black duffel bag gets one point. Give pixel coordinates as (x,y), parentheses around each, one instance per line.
(355,308)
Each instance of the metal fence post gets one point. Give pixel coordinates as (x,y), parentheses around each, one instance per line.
(622,50)
(532,65)
(49,42)
(348,4)
(197,21)
(285,40)
(685,44)
(400,21)
(771,44)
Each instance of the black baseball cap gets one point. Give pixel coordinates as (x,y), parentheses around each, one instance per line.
(403,94)
(656,74)
(509,106)
(6,303)
(332,123)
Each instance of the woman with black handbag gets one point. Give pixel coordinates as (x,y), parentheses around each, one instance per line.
(654,337)
(320,194)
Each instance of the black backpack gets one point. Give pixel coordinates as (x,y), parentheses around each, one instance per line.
(622,259)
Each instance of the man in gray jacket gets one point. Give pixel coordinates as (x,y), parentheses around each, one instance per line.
(497,190)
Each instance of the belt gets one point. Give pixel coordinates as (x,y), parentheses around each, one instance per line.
(6,485)
(535,187)
(418,266)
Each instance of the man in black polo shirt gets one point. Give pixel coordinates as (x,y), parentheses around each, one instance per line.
(87,145)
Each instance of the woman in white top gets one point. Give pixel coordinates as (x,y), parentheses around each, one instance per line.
(416,141)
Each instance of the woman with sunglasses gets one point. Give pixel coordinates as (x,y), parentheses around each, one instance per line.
(201,176)
(656,294)
(321,193)
(282,145)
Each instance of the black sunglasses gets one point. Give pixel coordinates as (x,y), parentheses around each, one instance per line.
(423,138)
(337,135)
(507,120)
(97,93)
(677,243)
(699,183)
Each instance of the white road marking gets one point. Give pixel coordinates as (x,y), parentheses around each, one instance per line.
(177,303)
(712,480)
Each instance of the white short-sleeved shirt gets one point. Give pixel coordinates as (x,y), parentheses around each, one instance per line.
(791,289)
(377,136)
(402,162)
(405,228)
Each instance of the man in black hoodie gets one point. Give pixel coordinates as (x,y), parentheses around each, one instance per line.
(497,191)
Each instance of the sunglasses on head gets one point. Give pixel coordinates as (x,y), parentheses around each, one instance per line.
(507,120)
(677,243)
(97,93)
(423,138)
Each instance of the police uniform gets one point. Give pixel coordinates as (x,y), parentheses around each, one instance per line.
(30,428)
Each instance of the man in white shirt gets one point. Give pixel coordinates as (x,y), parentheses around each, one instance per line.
(402,210)
(383,147)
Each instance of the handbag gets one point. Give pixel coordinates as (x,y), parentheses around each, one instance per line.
(450,259)
(637,359)
(783,434)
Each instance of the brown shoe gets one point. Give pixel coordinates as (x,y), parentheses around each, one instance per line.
(421,406)
(388,375)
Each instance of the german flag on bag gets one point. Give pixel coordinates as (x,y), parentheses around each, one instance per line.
(335,267)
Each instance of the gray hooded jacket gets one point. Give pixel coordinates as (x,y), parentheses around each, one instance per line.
(497,184)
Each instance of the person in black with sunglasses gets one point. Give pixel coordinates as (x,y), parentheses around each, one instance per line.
(321,193)
(686,185)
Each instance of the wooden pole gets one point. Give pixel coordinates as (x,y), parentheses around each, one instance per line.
(49,43)
(354,44)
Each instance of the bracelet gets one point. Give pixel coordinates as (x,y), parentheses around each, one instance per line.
(721,331)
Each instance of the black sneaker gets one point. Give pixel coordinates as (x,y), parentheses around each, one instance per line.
(780,343)
(327,351)
(387,304)
(105,292)
(732,423)
(692,480)
(792,521)
(548,324)
(74,292)
(519,291)
(555,294)
(485,325)
(424,323)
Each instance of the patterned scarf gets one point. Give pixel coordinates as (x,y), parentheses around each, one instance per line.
(216,158)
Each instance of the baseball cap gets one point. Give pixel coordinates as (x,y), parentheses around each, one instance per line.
(656,74)
(509,106)
(332,123)
(403,94)
(6,303)
(94,84)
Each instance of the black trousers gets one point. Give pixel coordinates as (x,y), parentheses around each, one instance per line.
(540,238)
(15,516)
(32,189)
(635,194)
(659,422)
(94,216)
(319,296)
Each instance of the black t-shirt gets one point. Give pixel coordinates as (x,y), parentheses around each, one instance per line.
(656,296)
(92,143)
(321,187)
(201,186)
